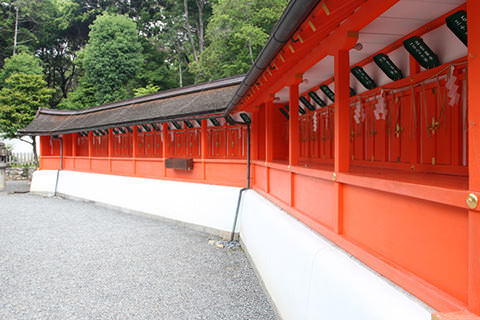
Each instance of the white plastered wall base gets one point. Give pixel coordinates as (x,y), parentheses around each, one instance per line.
(205,205)
(308,277)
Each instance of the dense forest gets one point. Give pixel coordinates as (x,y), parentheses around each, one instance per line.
(74,54)
(92,52)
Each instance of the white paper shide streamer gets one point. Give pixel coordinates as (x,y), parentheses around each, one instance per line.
(381,111)
(452,89)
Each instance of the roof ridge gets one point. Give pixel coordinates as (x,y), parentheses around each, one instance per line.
(215,84)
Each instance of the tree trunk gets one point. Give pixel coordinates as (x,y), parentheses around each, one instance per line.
(250,51)
(34,147)
(201,31)
(16,31)
(180,73)
(189,30)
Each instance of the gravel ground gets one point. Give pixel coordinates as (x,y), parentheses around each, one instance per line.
(62,259)
(22,186)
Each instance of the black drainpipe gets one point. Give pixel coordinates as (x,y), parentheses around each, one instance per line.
(61,163)
(232,236)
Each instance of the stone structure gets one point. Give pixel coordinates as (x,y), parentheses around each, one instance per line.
(17,174)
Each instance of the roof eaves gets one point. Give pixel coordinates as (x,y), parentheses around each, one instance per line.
(216,84)
(289,22)
(213,113)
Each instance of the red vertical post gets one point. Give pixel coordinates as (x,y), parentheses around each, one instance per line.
(204,147)
(414,69)
(293,135)
(64,147)
(254,135)
(342,111)
(90,149)
(110,149)
(165,146)
(473,9)
(254,127)
(342,129)
(268,141)
(44,141)
(74,147)
(269,131)
(135,149)
(293,128)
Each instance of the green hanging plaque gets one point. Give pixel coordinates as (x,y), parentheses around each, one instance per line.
(307,103)
(421,52)
(317,99)
(364,78)
(388,67)
(215,122)
(457,23)
(328,92)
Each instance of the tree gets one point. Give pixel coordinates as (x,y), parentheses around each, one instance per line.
(237,31)
(20,63)
(20,23)
(140,92)
(155,69)
(58,40)
(20,98)
(112,58)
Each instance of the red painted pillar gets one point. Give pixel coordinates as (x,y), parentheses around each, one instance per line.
(134,149)
(268,141)
(414,159)
(90,149)
(44,142)
(204,147)
(293,127)
(269,131)
(110,149)
(254,127)
(165,146)
(74,147)
(254,135)
(293,136)
(64,147)
(342,129)
(473,9)
(342,111)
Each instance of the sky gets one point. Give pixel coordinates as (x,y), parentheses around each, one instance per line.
(18,145)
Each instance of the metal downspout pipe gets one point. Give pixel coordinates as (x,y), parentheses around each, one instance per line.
(232,236)
(61,163)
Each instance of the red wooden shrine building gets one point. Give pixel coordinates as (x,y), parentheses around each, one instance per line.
(364,127)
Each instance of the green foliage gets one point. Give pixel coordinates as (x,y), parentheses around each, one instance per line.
(157,46)
(20,63)
(155,70)
(149,89)
(20,98)
(236,33)
(112,58)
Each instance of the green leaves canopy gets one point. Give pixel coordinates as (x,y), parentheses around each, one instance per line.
(112,58)
(20,99)
(236,33)
(20,63)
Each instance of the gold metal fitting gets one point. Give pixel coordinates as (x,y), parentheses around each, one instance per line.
(334,176)
(472,201)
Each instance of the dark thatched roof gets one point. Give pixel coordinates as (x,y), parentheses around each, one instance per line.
(203,99)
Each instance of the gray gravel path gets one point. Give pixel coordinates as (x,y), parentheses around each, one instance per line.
(63,259)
